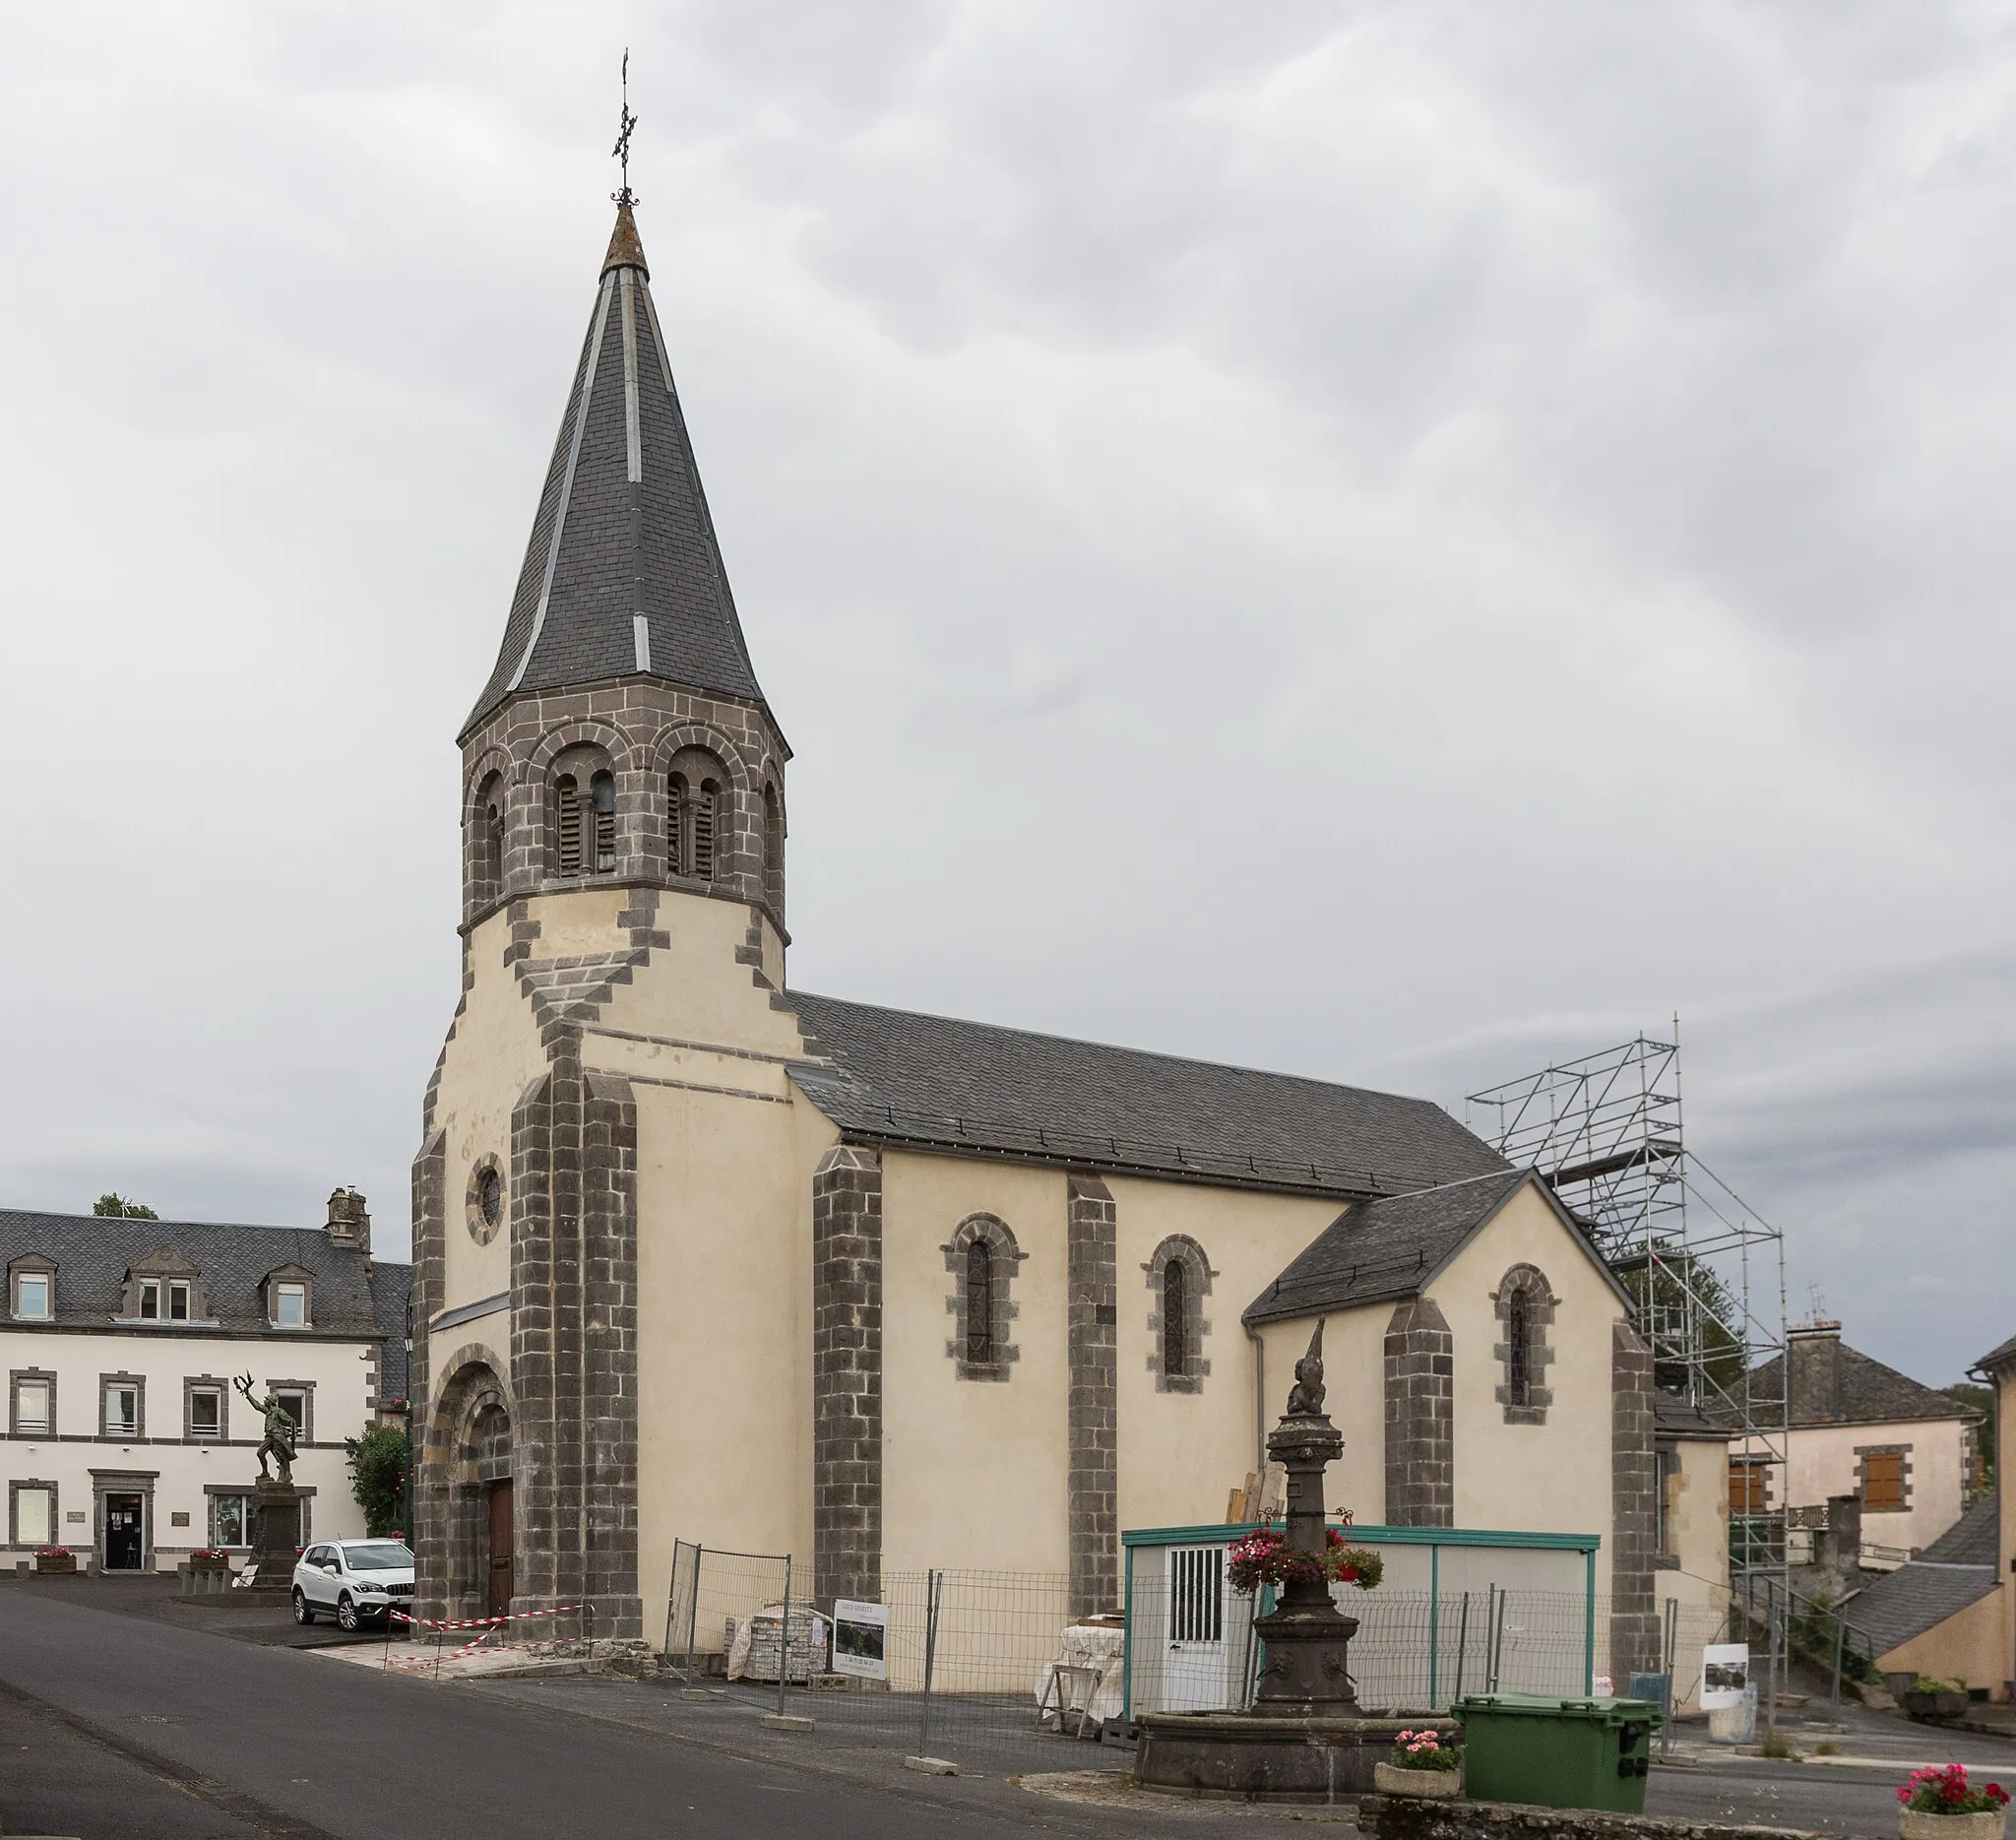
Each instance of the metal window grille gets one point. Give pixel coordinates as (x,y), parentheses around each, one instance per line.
(1197,1594)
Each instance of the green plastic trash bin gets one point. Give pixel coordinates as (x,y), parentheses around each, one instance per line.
(1557,1754)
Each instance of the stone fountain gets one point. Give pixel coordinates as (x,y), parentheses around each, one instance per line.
(1305,1738)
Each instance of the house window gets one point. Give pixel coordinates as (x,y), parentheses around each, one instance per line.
(122,1416)
(293,1401)
(289,1304)
(35,1514)
(231,1520)
(1885,1480)
(982,1256)
(179,1300)
(1178,1281)
(32,1291)
(206,1412)
(1747,1486)
(35,1405)
(150,1299)
(1524,1307)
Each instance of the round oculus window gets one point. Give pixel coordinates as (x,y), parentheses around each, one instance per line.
(486,1202)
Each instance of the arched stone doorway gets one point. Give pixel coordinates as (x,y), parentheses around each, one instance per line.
(466,1528)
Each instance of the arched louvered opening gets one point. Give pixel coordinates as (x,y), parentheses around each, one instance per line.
(1524,1307)
(980,1304)
(1175,1317)
(1180,1279)
(694,815)
(773,850)
(567,824)
(487,842)
(675,825)
(602,797)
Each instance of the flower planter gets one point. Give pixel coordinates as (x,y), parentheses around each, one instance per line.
(1943,1705)
(1447,1785)
(1982,1824)
(48,1564)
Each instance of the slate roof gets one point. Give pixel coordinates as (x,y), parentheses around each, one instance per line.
(390,1288)
(1957,1570)
(1677,1418)
(1866,1393)
(893,1076)
(2005,1351)
(1384,1249)
(604,548)
(93,1256)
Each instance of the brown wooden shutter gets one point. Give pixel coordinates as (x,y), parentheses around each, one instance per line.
(1883,1482)
(1745,1487)
(605,791)
(675,825)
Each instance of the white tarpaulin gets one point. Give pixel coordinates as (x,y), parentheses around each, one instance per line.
(1100,1650)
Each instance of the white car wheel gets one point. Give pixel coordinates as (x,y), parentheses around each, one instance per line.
(345,1614)
(302,1614)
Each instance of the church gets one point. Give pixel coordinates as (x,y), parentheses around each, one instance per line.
(702,1255)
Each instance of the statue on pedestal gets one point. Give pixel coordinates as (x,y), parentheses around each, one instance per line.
(281,1432)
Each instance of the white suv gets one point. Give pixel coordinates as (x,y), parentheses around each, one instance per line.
(354,1580)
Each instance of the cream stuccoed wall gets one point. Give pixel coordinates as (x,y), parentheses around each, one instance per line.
(974,1472)
(339,1371)
(1181,1454)
(1355,1376)
(1552,1477)
(1966,1647)
(1822,1462)
(1697,1537)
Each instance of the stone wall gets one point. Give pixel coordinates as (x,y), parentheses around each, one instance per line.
(846,1375)
(1420,1455)
(1634,1508)
(1407,1817)
(1093,1354)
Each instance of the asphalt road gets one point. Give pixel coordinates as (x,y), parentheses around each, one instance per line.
(131,1721)
(126,1716)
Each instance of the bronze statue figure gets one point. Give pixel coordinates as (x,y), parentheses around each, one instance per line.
(281,1432)
(1305,1396)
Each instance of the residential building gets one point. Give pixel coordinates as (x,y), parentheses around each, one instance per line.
(701,1256)
(127,1440)
(1905,1451)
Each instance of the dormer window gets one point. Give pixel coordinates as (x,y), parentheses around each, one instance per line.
(289,1304)
(33,1293)
(150,1299)
(163,1286)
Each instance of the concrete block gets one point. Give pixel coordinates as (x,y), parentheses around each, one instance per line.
(786,1721)
(931,1766)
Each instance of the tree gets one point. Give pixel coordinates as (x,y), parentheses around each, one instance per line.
(378,1463)
(1980,1399)
(1676,1298)
(117,1208)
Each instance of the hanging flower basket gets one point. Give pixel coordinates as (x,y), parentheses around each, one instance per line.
(1266,1557)
(1943,1804)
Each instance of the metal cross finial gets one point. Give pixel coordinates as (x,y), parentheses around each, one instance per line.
(622,151)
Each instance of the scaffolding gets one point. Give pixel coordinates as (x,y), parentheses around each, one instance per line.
(1704,1269)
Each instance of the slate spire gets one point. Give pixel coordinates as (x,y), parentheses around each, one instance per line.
(622,576)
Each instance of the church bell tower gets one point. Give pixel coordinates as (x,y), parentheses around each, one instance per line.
(622,739)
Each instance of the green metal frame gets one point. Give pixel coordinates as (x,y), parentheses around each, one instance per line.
(1434,1537)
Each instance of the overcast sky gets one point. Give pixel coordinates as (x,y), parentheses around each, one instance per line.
(1387,541)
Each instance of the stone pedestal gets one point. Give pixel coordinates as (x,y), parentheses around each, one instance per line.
(276,1533)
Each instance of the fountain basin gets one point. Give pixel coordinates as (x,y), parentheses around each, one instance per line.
(1271,1757)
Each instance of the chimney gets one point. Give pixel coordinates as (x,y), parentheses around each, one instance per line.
(348,1222)
(1812,1353)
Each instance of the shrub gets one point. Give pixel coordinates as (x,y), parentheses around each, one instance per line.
(378,1463)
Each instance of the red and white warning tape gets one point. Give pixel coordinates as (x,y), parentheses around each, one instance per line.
(483,1644)
(484,1623)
